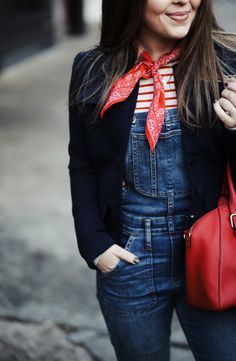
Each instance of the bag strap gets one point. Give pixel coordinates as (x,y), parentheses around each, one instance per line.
(225,188)
(232,197)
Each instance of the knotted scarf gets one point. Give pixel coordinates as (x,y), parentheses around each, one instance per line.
(146,68)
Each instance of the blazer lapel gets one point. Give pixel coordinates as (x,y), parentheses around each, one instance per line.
(117,121)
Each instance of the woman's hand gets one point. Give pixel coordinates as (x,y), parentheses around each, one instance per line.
(225,107)
(109,259)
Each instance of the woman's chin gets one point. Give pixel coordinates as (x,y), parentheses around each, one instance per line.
(177,34)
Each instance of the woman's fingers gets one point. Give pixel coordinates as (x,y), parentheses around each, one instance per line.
(225,107)
(230,86)
(110,258)
(107,261)
(229,94)
(124,254)
(225,116)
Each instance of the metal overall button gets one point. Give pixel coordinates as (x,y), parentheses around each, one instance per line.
(124,189)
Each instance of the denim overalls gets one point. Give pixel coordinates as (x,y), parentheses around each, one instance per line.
(137,300)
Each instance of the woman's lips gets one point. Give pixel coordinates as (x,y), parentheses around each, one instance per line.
(179,16)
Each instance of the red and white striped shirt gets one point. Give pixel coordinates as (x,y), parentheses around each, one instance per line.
(146,89)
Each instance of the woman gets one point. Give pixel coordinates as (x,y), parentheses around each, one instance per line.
(152,125)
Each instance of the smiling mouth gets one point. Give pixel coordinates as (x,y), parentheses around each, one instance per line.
(179,16)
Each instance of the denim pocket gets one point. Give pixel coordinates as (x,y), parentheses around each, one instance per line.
(144,165)
(128,289)
(126,243)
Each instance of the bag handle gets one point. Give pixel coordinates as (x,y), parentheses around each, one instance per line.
(232,197)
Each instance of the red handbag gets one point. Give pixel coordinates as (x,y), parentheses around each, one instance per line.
(210,254)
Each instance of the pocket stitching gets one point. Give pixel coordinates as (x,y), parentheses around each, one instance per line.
(141,136)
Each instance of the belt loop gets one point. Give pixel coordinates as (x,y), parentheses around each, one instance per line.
(148,234)
(168,120)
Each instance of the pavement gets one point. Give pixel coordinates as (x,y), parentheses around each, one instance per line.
(48,307)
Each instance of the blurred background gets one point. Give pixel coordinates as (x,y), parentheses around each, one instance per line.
(48,305)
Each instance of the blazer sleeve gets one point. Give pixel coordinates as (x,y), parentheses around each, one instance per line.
(229,138)
(228,62)
(92,238)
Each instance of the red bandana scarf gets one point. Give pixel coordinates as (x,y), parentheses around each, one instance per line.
(146,68)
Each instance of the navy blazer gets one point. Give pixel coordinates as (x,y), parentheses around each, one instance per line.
(97,159)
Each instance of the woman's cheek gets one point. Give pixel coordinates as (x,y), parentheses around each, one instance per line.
(157,6)
(196,3)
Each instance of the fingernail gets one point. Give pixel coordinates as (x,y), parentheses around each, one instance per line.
(136,260)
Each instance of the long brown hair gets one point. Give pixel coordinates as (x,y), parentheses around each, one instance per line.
(197,74)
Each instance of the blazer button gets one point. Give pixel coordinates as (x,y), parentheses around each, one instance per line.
(192,216)
(123,183)
(190,131)
(192,160)
(199,189)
